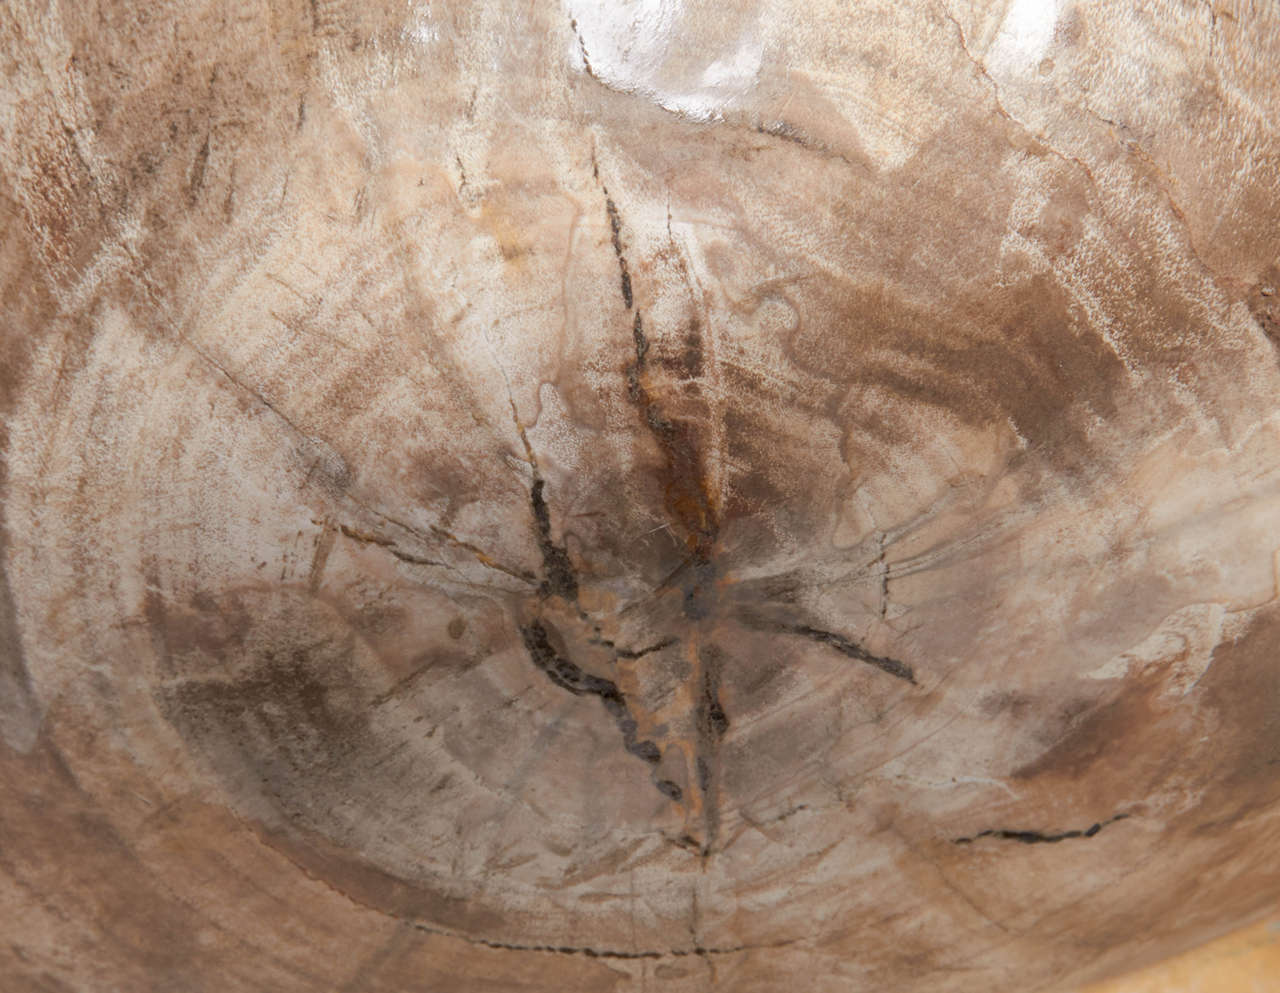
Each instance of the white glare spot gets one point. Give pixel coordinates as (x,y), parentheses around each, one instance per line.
(637,45)
(1025,34)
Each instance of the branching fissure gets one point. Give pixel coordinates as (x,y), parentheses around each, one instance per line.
(568,675)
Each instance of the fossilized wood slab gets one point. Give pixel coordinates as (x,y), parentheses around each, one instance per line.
(519,496)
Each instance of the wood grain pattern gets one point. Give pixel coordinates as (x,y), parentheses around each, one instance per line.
(536,496)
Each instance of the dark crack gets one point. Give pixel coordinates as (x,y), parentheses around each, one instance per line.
(687,496)
(637,653)
(558,577)
(607,953)
(615,228)
(845,646)
(710,725)
(568,675)
(1037,838)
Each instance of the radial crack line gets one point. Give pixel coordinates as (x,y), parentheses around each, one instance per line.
(568,675)
(1036,837)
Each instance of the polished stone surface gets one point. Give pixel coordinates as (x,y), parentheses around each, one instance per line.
(619,496)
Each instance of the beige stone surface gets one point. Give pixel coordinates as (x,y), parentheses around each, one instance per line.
(646,495)
(1246,961)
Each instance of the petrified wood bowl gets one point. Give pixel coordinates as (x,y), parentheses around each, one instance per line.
(516,496)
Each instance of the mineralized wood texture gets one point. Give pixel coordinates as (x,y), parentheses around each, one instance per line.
(611,497)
